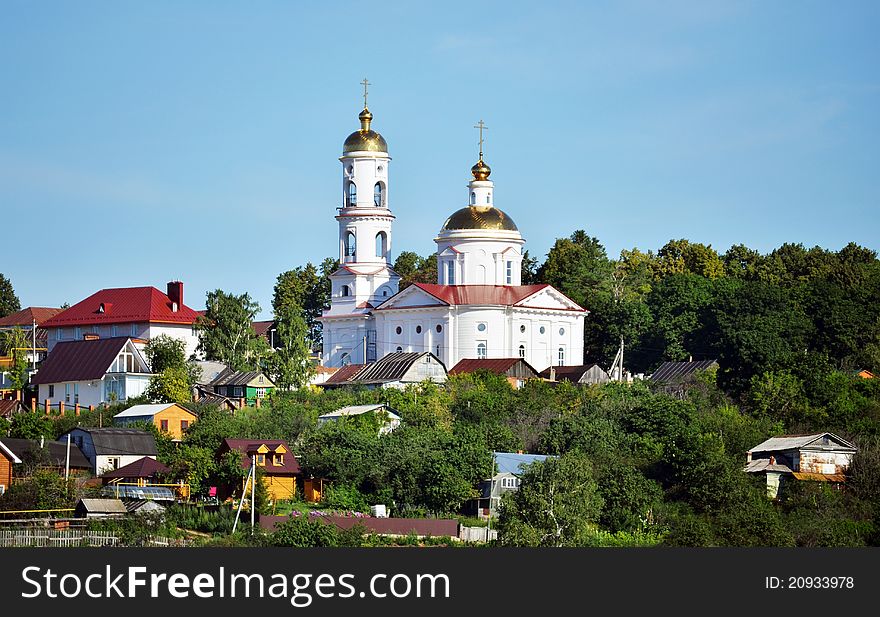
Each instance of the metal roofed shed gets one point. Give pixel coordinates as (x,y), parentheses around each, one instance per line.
(100,508)
(394,370)
(670,372)
(391,417)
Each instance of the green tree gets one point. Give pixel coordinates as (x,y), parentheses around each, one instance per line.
(578,267)
(685,257)
(557,504)
(173,378)
(307,288)
(290,365)
(8,300)
(529,269)
(415,269)
(225,331)
(15,343)
(172,385)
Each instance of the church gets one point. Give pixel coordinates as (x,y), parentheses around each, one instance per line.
(477,309)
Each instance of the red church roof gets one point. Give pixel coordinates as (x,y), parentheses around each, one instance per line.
(124,305)
(25,317)
(504,295)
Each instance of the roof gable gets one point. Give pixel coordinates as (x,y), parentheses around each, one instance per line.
(85,360)
(263,446)
(123,305)
(412,297)
(796,442)
(515,463)
(397,366)
(499,366)
(550,298)
(145,467)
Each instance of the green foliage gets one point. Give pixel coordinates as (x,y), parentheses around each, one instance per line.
(42,490)
(304,532)
(171,385)
(344,497)
(415,269)
(289,365)
(225,332)
(557,504)
(306,291)
(8,300)
(31,426)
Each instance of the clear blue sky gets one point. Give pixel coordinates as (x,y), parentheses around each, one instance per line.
(146,141)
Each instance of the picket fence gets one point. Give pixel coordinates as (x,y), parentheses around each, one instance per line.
(70,538)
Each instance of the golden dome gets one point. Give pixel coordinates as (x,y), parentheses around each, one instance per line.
(481,171)
(365,139)
(479,217)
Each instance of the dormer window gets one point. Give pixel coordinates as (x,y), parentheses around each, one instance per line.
(261,459)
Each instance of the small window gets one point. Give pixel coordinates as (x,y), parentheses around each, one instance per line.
(350,244)
(384,293)
(114,331)
(488,198)
(163,425)
(473,199)
(381,244)
(184,424)
(481,327)
(349,170)
(522,328)
(51,390)
(542,330)
(561,331)
(346,291)
(261,459)
(67,393)
(398,330)
(522,351)
(418,329)
(346,359)
(439,328)
(279,460)
(437,352)
(399,349)
(481,350)
(77,333)
(134,330)
(561,354)
(76,393)
(450,272)
(510,273)
(352,194)
(58,334)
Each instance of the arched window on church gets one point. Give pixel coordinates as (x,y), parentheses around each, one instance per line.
(346,359)
(381,244)
(450,272)
(488,198)
(561,354)
(352,194)
(346,291)
(481,350)
(522,351)
(350,245)
(473,199)
(378,195)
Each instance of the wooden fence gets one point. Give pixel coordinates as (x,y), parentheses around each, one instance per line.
(71,537)
(477,534)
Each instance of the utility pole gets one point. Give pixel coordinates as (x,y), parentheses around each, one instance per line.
(243,493)
(67,460)
(253,490)
(618,362)
(34,340)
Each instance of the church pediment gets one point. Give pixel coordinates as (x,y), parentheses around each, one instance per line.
(412,296)
(550,298)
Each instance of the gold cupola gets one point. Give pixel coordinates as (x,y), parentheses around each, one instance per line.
(365,139)
(480,170)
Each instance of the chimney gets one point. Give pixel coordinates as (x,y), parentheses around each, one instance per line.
(552,373)
(175,294)
(772,460)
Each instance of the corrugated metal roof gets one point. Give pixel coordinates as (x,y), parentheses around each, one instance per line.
(344,374)
(57,452)
(113,441)
(123,305)
(142,468)
(793,442)
(80,360)
(143,410)
(25,317)
(676,371)
(499,366)
(567,373)
(260,328)
(820,477)
(392,367)
(105,506)
(230,377)
(763,464)
(356,410)
(515,463)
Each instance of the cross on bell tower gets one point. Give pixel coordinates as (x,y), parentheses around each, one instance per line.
(482,126)
(365,84)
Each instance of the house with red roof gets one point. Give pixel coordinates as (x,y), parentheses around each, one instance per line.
(92,372)
(516,370)
(138,313)
(273,457)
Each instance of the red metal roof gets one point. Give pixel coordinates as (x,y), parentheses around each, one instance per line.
(499,366)
(26,317)
(123,305)
(261,327)
(247,446)
(79,360)
(344,373)
(480,294)
(142,468)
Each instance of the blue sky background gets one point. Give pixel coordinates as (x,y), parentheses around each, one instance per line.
(146,141)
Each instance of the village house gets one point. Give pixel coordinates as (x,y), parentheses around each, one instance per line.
(388,418)
(821,457)
(582,374)
(30,320)
(139,313)
(111,448)
(516,370)
(8,458)
(169,418)
(92,372)
(509,466)
(47,454)
(273,457)
(251,386)
(395,370)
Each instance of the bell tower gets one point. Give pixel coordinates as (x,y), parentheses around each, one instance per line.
(364,278)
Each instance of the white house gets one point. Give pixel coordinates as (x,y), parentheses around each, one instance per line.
(477,309)
(92,372)
(139,313)
(111,448)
